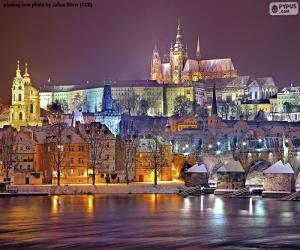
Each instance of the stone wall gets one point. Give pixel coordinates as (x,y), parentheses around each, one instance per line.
(102,189)
(278,182)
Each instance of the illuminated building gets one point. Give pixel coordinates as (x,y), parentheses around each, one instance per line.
(25,107)
(150,152)
(74,157)
(177,67)
(262,88)
(289,95)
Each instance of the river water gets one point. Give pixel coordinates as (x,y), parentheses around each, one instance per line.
(148,222)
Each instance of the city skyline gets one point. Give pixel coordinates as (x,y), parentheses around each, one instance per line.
(114,41)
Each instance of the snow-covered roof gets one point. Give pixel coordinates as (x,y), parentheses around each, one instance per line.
(232,166)
(216,65)
(191,66)
(279,168)
(197,169)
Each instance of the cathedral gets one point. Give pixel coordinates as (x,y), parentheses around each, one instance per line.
(178,68)
(25,104)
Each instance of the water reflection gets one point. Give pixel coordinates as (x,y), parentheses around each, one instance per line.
(91,204)
(250,206)
(54,204)
(147,222)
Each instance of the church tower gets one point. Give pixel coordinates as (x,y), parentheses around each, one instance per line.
(178,57)
(214,121)
(25,105)
(156,73)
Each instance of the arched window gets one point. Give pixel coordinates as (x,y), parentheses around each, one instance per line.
(31,108)
(20,116)
(12,116)
(20,97)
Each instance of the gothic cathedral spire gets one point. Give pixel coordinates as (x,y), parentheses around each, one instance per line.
(198,54)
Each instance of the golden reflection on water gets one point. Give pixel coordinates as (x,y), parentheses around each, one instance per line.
(90,204)
(54,204)
(153,203)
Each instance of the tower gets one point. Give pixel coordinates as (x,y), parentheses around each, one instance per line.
(178,57)
(214,110)
(198,54)
(25,104)
(214,121)
(108,116)
(107,98)
(156,73)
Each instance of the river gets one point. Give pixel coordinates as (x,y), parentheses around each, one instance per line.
(148,222)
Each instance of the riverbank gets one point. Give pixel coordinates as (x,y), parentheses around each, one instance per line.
(171,187)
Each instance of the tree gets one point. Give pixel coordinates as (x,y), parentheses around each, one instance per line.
(59,107)
(130,150)
(7,151)
(79,102)
(260,116)
(181,105)
(144,106)
(58,144)
(288,108)
(130,102)
(98,137)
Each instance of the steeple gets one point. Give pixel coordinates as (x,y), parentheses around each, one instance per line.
(214,110)
(26,71)
(178,44)
(18,71)
(198,55)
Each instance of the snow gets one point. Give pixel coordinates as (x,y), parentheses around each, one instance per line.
(279,168)
(197,169)
(232,166)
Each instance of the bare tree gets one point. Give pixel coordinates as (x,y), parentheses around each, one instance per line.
(58,143)
(8,152)
(98,137)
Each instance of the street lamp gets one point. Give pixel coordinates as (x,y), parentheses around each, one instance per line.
(244,143)
(218,143)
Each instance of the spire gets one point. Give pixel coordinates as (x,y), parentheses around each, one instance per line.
(214,102)
(198,55)
(26,71)
(178,44)
(18,71)
(155,47)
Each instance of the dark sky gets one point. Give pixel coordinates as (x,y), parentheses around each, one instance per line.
(115,38)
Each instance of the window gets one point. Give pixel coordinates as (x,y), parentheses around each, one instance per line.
(71,148)
(20,97)
(255,94)
(80,172)
(31,108)
(80,161)
(81,148)
(20,116)
(71,160)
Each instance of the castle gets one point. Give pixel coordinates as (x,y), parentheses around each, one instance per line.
(177,67)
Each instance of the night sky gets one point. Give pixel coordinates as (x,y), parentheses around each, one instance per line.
(115,39)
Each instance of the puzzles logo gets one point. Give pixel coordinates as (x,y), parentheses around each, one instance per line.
(283,8)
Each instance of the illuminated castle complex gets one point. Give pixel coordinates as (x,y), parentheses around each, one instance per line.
(177,67)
